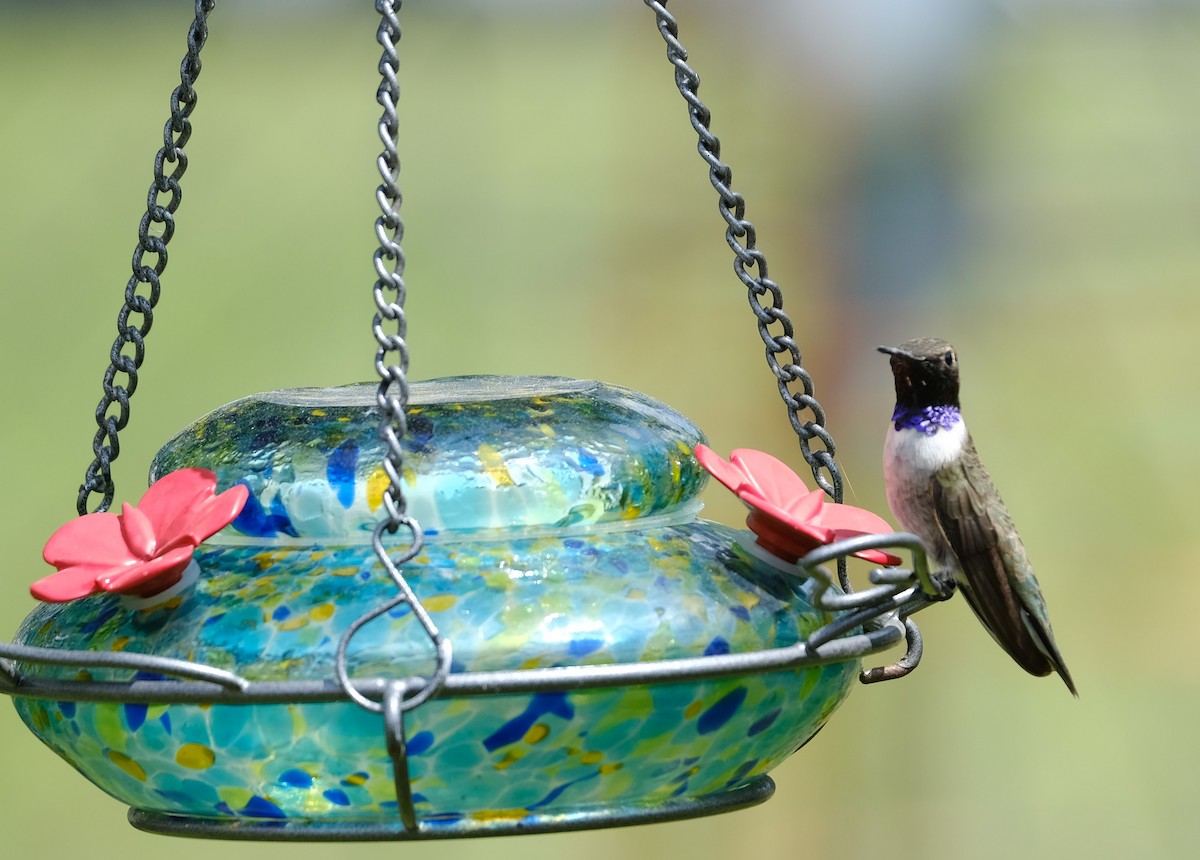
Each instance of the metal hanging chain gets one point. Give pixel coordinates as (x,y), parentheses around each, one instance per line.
(391,364)
(152,240)
(751,268)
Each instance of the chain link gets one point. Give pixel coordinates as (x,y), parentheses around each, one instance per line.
(766,299)
(149,261)
(391,356)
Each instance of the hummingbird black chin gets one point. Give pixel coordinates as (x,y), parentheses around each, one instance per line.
(939,490)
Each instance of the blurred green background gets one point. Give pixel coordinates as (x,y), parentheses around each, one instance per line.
(1023,181)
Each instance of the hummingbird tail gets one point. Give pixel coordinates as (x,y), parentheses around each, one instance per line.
(1044,640)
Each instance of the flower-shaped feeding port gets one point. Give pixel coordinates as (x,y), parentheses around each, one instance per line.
(787,518)
(144,550)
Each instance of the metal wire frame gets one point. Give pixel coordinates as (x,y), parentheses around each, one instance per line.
(880,611)
(865,623)
(756,791)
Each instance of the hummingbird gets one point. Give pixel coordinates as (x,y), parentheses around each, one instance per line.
(939,490)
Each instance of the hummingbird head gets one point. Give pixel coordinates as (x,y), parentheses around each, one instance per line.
(926,372)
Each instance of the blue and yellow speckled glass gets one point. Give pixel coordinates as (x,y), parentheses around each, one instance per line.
(561,529)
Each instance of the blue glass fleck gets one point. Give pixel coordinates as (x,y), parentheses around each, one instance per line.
(764,723)
(260,807)
(583,647)
(556,792)
(135,715)
(105,615)
(256,521)
(281,520)
(721,712)
(340,471)
(444,818)
(588,462)
(717,646)
(294,778)
(540,705)
(420,743)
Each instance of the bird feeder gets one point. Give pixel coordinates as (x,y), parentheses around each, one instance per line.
(457,607)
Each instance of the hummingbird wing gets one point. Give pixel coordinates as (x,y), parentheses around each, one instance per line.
(997,578)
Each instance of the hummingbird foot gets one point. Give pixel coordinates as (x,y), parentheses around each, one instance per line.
(946,586)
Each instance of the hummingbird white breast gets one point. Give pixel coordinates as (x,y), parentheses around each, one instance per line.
(921,451)
(912,455)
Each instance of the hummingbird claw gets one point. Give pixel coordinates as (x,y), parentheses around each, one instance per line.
(944,580)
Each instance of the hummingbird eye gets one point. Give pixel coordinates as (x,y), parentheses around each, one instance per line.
(949,358)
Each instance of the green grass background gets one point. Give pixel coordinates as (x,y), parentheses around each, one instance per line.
(559,221)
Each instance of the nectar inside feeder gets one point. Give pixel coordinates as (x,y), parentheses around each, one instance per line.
(570,646)
(561,532)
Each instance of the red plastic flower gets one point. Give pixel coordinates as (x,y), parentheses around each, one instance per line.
(788,519)
(144,549)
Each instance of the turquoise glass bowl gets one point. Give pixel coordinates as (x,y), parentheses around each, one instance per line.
(561,530)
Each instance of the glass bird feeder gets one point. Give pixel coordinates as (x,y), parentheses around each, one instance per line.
(461,607)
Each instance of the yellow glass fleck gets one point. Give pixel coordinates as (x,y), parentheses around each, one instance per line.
(195,756)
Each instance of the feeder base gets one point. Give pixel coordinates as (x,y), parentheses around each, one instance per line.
(751,794)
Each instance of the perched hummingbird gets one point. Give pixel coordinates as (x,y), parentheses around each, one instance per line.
(939,490)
